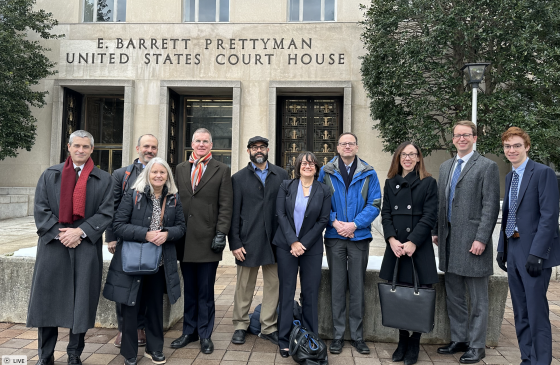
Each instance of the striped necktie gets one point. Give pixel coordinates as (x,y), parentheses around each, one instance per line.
(454,180)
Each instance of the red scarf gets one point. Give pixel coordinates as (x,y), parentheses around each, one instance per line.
(73,206)
(196,174)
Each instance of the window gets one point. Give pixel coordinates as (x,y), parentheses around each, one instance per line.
(214,114)
(104,120)
(311,10)
(206,11)
(104,11)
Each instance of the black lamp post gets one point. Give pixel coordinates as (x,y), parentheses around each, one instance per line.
(475,74)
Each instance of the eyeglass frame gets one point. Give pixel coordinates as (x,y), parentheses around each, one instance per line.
(464,135)
(261,147)
(349,144)
(409,155)
(308,163)
(516,146)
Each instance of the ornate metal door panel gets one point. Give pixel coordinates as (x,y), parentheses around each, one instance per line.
(71,118)
(310,124)
(173,130)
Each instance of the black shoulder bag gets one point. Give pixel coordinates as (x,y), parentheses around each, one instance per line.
(306,347)
(407,307)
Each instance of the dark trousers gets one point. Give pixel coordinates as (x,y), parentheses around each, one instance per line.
(200,309)
(141,316)
(310,279)
(151,293)
(530,307)
(47,342)
(347,268)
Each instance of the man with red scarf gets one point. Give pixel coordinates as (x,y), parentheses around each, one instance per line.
(73,206)
(206,194)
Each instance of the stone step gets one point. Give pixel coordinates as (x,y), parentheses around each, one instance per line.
(15,206)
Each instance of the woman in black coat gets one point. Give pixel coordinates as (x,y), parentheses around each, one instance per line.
(138,219)
(303,207)
(408,216)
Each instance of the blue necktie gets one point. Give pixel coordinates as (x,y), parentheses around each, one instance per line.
(454,180)
(510,227)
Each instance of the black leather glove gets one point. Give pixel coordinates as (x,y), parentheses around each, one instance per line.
(219,242)
(500,261)
(534,265)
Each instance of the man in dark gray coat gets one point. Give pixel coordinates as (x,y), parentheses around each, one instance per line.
(73,207)
(469,202)
(123,179)
(253,225)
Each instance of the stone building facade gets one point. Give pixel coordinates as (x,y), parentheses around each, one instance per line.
(285,69)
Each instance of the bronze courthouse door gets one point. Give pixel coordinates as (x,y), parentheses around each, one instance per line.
(308,124)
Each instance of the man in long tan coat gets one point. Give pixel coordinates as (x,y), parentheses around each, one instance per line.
(207,198)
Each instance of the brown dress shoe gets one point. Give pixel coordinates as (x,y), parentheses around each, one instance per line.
(118,340)
(141,338)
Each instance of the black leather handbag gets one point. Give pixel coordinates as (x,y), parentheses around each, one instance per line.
(306,347)
(407,307)
(142,258)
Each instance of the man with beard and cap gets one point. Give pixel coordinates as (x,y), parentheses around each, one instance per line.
(253,226)
(73,207)
(123,179)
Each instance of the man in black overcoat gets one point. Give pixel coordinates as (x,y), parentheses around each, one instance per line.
(253,225)
(123,180)
(73,207)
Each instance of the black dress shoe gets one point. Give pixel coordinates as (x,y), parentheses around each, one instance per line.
(361,346)
(336,346)
(453,348)
(131,361)
(206,346)
(238,337)
(74,359)
(183,341)
(472,356)
(284,353)
(157,357)
(272,337)
(47,361)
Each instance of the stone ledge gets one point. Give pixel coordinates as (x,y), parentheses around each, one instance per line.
(375,331)
(13,210)
(16,275)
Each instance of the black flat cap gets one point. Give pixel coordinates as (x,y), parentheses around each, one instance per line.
(256,139)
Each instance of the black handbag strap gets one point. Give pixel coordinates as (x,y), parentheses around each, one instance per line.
(396,272)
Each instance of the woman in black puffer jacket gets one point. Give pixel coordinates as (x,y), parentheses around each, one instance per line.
(138,219)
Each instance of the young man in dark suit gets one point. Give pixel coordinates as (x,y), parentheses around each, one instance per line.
(529,245)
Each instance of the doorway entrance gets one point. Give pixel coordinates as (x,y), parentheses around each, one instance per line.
(307,124)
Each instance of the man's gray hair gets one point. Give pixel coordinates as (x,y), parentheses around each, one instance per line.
(80,134)
(144,135)
(202,130)
(143,179)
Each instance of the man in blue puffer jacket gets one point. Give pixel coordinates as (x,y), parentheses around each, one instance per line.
(356,202)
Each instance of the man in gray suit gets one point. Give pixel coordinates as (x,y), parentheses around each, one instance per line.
(469,201)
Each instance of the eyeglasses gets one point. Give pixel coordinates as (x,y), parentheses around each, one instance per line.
(347,144)
(516,146)
(305,164)
(198,141)
(409,155)
(464,135)
(258,148)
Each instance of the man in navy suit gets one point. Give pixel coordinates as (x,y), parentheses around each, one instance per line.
(529,245)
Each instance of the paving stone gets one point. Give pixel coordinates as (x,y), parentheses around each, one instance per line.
(99,359)
(262,357)
(236,356)
(108,348)
(97,338)
(5,325)
(29,335)
(11,333)
(16,343)
(205,362)
(216,355)
(185,353)
(495,360)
